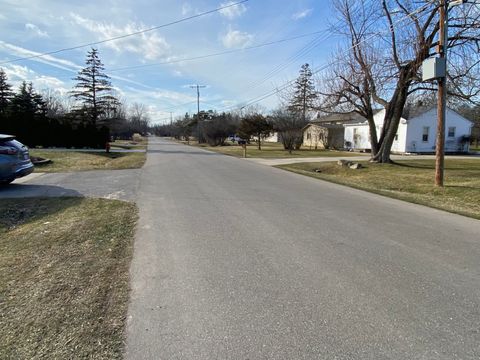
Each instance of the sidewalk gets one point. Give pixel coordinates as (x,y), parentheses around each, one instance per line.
(275,162)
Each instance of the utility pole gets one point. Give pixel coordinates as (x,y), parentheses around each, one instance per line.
(198,87)
(171,118)
(442,96)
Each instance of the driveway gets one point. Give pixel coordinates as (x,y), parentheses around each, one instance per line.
(111,184)
(237,260)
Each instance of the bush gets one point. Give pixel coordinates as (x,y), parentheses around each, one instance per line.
(137,137)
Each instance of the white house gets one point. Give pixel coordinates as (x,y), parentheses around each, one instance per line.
(416,132)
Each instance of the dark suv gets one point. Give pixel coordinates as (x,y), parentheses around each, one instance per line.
(14,159)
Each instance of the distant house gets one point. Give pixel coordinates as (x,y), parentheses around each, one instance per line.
(328,131)
(416,132)
(271,138)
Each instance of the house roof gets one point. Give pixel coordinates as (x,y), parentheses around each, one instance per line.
(338,118)
(410,112)
(324,125)
(342,118)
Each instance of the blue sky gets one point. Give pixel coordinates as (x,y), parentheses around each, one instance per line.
(30,27)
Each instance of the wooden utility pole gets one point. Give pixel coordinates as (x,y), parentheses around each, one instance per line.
(198,87)
(442,96)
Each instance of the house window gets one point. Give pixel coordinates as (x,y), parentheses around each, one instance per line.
(451,132)
(426,129)
(308,136)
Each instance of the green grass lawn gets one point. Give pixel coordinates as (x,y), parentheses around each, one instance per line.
(64,266)
(410,180)
(65,161)
(273,150)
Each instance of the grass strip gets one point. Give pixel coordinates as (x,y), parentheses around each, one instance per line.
(409,180)
(273,151)
(64,266)
(66,161)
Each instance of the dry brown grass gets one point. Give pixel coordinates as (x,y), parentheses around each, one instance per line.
(410,180)
(66,161)
(272,151)
(64,277)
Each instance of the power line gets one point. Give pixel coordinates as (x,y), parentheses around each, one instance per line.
(316,71)
(290,60)
(218,53)
(126,35)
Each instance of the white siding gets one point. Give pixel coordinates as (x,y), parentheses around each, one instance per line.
(272,138)
(410,133)
(358,136)
(415,143)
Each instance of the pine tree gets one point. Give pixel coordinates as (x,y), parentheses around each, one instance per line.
(5,92)
(27,101)
(304,94)
(94,89)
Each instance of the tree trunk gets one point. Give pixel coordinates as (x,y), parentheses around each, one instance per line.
(373,137)
(393,113)
(259,141)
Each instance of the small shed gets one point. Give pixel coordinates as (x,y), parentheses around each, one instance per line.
(323,136)
(328,132)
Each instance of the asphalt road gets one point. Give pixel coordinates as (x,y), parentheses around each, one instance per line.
(237,260)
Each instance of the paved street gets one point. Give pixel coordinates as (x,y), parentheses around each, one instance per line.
(237,260)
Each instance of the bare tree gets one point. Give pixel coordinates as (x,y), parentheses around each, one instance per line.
(289,128)
(138,118)
(56,104)
(388,41)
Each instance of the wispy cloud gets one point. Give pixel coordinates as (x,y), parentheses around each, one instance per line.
(186,9)
(302,14)
(236,39)
(149,46)
(46,59)
(32,28)
(232,11)
(18,73)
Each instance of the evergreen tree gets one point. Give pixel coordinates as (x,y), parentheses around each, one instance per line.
(304,94)
(27,116)
(94,89)
(5,92)
(255,125)
(27,102)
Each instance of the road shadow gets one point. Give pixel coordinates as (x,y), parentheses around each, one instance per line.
(28,190)
(15,212)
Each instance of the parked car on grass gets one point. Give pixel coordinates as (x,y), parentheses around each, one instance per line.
(14,159)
